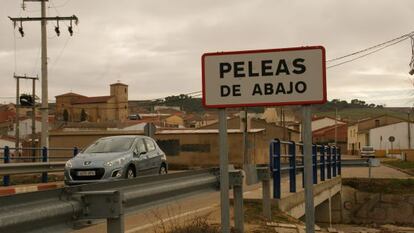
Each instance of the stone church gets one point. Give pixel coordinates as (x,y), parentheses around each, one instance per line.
(74,107)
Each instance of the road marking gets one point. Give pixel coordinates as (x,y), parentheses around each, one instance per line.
(136,229)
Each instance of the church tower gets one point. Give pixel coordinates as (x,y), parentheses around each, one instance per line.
(120,92)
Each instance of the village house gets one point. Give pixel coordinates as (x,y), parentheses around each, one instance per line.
(359,132)
(393,138)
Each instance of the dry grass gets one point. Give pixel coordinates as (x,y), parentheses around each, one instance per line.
(194,223)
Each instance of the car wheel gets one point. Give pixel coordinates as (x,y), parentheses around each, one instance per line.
(163,169)
(130,173)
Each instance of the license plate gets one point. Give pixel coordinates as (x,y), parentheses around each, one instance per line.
(86,173)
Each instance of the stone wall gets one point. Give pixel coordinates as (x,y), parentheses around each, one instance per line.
(363,207)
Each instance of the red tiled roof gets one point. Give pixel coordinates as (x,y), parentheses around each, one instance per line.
(91,100)
(121,84)
(70,94)
(8,138)
(327,128)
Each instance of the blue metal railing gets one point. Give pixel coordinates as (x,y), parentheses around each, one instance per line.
(329,163)
(44,156)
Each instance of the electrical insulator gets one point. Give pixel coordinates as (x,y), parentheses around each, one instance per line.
(21,31)
(57,30)
(70,29)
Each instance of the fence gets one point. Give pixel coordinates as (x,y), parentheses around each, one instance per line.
(44,156)
(329,163)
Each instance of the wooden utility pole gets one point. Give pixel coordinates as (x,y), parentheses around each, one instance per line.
(43,19)
(18,105)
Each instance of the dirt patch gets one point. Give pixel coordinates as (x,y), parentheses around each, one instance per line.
(255,222)
(387,186)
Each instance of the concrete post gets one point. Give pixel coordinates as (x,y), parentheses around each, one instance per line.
(267,210)
(115,225)
(238,208)
(330,209)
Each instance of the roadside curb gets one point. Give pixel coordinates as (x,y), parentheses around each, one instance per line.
(5,191)
(396,168)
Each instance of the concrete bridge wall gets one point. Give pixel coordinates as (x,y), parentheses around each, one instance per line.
(324,193)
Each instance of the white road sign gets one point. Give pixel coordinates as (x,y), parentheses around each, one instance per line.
(288,76)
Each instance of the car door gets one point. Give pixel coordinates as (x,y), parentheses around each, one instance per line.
(141,158)
(153,156)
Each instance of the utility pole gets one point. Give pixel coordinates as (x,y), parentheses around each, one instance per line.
(336,122)
(409,130)
(17,129)
(244,122)
(43,19)
(34,116)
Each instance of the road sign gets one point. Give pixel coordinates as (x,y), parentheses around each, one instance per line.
(289,76)
(391,139)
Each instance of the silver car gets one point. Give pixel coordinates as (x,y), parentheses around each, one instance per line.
(116,157)
(367,152)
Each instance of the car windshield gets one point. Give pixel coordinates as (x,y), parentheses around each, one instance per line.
(108,145)
(367,148)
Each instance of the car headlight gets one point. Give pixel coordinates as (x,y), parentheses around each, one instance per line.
(68,164)
(115,163)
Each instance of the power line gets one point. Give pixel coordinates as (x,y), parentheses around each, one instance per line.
(405,36)
(60,54)
(364,55)
(61,5)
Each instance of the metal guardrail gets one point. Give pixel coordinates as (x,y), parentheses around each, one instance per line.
(73,207)
(26,168)
(355,163)
(44,156)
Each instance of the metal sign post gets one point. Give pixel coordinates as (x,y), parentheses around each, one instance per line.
(224,173)
(307,153)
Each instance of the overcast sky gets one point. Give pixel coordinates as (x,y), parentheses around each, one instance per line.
(155,46)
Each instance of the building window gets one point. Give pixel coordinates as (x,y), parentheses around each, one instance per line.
(170,147)
(377,123)
(125,90)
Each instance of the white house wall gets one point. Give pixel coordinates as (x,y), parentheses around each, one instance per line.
(398,130)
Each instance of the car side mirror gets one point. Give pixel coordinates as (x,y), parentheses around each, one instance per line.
(135,152)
